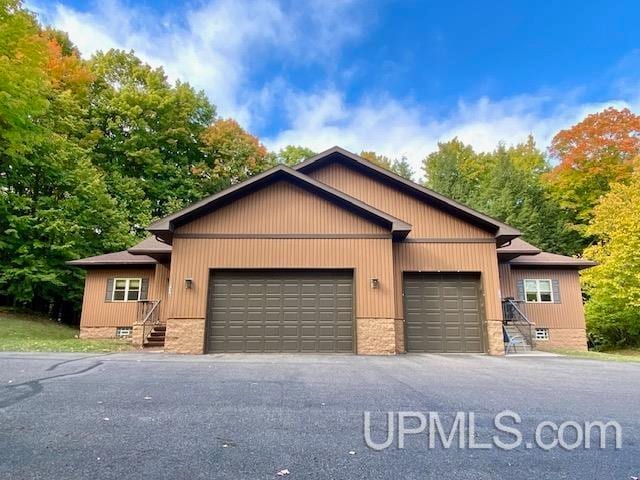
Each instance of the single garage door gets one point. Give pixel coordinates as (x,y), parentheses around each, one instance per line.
(443,313)
(280,311)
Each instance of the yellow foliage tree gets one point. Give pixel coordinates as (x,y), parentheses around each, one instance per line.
(613,308)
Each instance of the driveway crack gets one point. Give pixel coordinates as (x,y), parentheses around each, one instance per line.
(34,387)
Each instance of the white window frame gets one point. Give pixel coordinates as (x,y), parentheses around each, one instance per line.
(542,334)
(538,297)
(120,332)
(126,289)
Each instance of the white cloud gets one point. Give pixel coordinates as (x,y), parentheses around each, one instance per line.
(387,126)
(218,46)
(215,46)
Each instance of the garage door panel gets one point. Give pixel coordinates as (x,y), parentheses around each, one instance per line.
(342,316)
(443,313)
(280,311)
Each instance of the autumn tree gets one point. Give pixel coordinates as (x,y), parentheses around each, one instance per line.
(593,154)
(231,155)
(54,203)
(613,286)
(373,157)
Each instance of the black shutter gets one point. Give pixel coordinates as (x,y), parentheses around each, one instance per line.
(555,286)
(520,289)
(108,297)
(144,289)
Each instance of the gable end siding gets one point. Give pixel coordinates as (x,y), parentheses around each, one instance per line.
(281,208)
(427,221)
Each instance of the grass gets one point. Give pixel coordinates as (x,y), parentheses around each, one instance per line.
(619,355)
(23,332)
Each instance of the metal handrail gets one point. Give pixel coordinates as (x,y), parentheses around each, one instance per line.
(514,305)
(520,321)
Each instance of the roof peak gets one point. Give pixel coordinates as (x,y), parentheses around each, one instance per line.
(502,230)
(164,228)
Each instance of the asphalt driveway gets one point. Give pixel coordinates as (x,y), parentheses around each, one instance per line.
(149,415)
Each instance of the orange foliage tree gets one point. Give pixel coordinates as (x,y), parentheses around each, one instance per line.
(600,150)
(231,154)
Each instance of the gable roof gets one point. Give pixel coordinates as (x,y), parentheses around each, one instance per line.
(515,248)
(502,231)
(546,259)
(150,246)
(115,259)
(164,227)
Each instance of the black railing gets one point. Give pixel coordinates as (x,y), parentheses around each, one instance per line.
(512,315)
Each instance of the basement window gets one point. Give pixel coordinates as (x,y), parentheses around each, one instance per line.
(126,289)
(542,334)
(538,291)
(124,332)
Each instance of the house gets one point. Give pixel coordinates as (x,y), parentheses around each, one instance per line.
(334,255)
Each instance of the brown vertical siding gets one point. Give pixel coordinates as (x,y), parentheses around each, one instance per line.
(159,290)
(96,312)
(427,221)
(450,257)
(281,208)
(569,313)
(369,258)
(507,283)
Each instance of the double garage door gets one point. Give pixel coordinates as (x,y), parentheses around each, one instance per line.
(280,311)
(443,313)
(312,311)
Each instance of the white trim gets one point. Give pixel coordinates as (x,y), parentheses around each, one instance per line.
(544,334)
(126,289)
(120,332)
(538,299)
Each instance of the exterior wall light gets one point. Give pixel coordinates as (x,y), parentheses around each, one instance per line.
(188,283)
(375,283)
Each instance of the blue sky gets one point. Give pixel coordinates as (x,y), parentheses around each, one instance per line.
(395,77)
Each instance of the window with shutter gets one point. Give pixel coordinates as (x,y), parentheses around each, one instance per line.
(538,291)
(126,289)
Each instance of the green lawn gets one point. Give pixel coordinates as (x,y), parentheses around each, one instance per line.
(621,355)
(30,333)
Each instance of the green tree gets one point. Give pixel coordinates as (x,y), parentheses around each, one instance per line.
(505,184)
(400,167)
(451,170)
(23,81)
(613,286)
(373,157)
(145,134)
(54,205)
(292,155)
